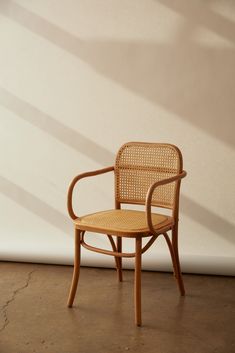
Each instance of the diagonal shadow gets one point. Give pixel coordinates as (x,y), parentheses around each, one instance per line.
(33,204)
(139,66)
(200,14)
(55,128)
(209,219)
(195,89)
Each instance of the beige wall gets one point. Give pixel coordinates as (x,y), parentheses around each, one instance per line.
(78,79)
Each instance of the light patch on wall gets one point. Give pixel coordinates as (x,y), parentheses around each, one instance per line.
(90,19)
(210,39)
(224,8)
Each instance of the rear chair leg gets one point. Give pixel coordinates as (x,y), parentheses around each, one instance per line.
(173,247)
(119,259)
(76,269)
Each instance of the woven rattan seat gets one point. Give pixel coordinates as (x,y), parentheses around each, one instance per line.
(122,222)
(147,174)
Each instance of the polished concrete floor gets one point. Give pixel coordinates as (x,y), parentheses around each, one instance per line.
(34,317)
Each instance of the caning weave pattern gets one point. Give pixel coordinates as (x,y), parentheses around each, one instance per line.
(125,221)
(139,165)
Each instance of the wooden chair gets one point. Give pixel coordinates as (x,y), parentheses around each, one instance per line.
(145,174)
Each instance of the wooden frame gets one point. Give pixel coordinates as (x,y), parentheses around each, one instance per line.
(151,231)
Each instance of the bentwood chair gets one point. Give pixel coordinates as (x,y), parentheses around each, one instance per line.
(145,174)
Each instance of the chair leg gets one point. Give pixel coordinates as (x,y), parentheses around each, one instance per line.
(76,269)
(137,291)
(119,259)
(177,260)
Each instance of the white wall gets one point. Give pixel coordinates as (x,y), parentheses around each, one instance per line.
(80,78)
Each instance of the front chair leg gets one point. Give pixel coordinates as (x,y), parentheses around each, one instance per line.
(138,248)
(177,260)
(76,269)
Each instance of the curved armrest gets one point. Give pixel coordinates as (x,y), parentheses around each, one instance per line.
(75,180)
(150,195)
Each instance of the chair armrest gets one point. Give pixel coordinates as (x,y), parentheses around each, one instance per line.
(75,180)
(150,192)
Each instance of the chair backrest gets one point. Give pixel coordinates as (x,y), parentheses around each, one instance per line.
(138,165)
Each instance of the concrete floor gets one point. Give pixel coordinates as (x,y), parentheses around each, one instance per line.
(34,317)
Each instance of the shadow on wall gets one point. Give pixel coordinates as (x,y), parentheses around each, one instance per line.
(208,219)
(198,13)
(33,204)
(49,214)
(194,81)
(80,143)
(55,128)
